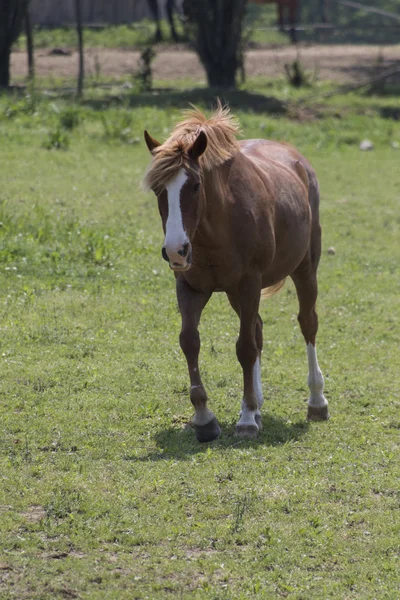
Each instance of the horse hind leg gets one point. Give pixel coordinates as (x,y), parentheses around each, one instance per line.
(248,350)
(305,280)
(257,384)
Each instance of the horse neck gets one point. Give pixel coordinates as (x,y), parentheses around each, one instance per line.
(214,203)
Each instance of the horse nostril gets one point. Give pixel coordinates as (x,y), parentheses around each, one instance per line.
(164,254)
(185,249)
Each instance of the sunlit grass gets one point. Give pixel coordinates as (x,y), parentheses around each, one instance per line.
(105,492)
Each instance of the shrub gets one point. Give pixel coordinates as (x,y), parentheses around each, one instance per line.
(57,139)
(144,74)
(70,117)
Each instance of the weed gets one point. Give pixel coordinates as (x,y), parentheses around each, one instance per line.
(57,139)
(144,74)
(118,127)
(63,504)
(242,504)
(27,105)
(296,74)
(98,248)
(97,68)
(70,117)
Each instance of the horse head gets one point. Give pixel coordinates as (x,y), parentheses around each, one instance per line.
(177,182)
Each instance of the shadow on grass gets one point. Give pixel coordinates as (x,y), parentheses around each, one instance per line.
(161,98)
(181,444)
(164,98)
(354,34)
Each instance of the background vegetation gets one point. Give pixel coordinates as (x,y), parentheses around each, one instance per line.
(350,26)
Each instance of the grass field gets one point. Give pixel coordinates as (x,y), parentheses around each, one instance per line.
(105,493)
(257,28)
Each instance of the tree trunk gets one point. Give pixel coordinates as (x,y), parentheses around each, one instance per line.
(12,13)
(217,26)
(218,76)
(81,74)
(4,69)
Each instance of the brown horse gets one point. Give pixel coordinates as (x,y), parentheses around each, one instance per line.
(170,9)
(238,217)
(291,7)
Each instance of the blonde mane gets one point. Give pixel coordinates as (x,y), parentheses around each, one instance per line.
(221,130)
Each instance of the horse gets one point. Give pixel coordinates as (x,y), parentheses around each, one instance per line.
(289,6)
(170,9)
(238,217)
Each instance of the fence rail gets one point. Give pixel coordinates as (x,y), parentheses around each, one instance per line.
(369,9)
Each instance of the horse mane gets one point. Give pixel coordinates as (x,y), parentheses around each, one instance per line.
(221,130)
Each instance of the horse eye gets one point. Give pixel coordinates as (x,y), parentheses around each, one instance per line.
(196,187)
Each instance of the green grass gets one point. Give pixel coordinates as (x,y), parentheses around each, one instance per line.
(104,491)
(142,33)
(110,36)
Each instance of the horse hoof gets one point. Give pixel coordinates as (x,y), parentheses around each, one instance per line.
(318,413)
(209,432)
(249,431)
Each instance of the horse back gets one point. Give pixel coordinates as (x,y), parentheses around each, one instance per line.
(279,161)
(284,200)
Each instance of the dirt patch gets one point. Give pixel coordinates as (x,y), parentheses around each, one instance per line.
(342,63)
(34,514)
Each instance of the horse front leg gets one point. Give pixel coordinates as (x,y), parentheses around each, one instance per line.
(170,7)
(281,16)
(191,304)
(248,350)
(153,6)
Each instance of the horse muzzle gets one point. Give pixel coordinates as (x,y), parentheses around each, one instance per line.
(180,260)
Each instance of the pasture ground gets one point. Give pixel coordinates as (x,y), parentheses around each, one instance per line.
(341,62)
(104,492)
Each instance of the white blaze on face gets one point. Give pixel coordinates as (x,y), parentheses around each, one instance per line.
(175,236)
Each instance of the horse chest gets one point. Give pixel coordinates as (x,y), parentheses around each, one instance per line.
(214,270)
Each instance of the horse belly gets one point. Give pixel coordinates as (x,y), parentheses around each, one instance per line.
(292,240)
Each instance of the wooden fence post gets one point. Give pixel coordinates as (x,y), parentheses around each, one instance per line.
(81,74)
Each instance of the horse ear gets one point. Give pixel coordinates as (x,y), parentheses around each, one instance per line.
(151,142)
(199,146)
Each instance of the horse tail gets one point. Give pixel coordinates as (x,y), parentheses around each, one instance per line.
(268,292)
(302,173)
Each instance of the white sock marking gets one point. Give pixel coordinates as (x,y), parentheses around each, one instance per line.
(175,235)
(257,383)
(315,379)
(248,417)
